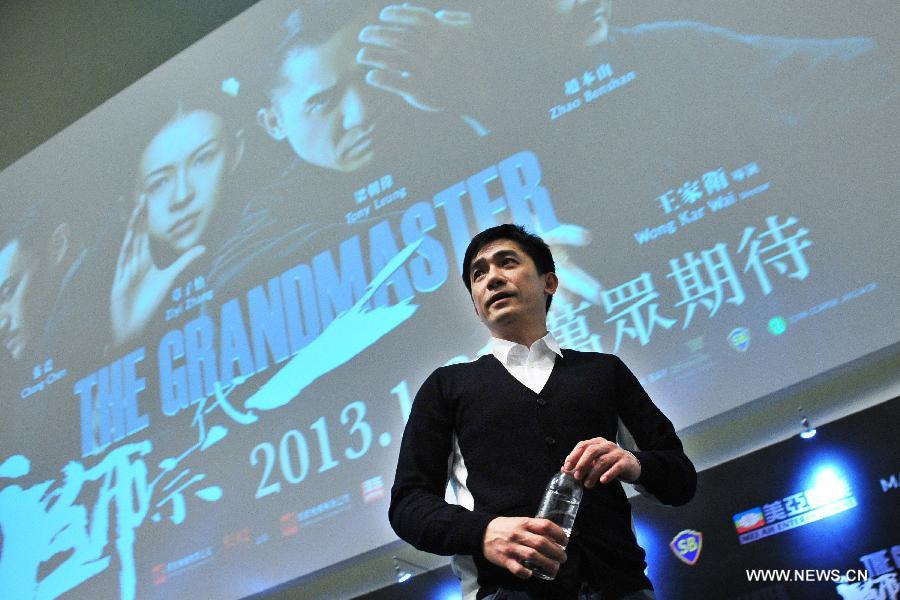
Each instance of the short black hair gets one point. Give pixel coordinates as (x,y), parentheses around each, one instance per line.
(34,226)
(535,247)
(308,23)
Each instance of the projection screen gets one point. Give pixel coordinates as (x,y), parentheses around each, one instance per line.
(221,289)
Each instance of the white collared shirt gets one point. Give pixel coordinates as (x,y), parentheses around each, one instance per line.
(530,366)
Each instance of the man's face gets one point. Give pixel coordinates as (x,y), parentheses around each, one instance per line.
(20,301)
(181,176)
(323,106)
(587,21)
(507,291)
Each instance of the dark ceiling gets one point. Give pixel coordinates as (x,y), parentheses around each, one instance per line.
(59,59)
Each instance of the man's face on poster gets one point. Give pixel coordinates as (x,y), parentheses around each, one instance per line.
(181,175)
(323,106)
(587,21)
(20,300)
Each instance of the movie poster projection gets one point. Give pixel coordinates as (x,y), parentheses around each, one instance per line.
(220,290)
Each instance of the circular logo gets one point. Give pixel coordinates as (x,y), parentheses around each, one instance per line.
(739,338)
(777,325)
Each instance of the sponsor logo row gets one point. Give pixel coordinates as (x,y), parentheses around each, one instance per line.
(289,524)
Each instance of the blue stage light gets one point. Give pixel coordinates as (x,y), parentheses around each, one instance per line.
(447,590)
(828,486)
(807,431)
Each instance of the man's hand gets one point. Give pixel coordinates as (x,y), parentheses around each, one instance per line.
(599,459)
(574,282)
(508,541)
(139,286)
(427,58)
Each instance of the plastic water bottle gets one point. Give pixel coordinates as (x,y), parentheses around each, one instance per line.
(560,505)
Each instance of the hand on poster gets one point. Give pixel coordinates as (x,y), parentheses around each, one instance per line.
(139,286)
(574,282)
(426,57)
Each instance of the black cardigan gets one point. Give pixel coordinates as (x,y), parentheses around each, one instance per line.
(512,441)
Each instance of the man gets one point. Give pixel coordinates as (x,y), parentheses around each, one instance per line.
(343,133)
(313,97)
(444,60)
(508,421)
(44,287)
(19,276)
(316,98)
(488,64)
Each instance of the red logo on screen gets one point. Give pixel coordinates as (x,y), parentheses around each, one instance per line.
(289,525)
(159,574)
(237,538)
(372,489)
(749,520)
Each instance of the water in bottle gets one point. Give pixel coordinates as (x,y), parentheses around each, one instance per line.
(560,505)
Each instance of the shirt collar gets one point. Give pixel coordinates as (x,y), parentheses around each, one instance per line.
(501,348)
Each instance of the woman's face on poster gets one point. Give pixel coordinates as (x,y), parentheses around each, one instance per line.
(181,175)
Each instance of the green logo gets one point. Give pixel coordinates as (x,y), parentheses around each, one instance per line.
(777,325)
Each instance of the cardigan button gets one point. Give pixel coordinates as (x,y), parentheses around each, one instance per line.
(541,402)
(551,441)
